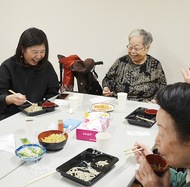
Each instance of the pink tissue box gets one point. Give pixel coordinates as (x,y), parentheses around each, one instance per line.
(98,121)
(84,134)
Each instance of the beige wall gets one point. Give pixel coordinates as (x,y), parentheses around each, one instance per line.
(99,29)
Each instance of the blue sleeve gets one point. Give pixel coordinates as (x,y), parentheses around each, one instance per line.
(177,179)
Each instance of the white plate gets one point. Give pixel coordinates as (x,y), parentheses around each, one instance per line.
(30,152)
(102,107)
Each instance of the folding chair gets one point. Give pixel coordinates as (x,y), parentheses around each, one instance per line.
(83,71)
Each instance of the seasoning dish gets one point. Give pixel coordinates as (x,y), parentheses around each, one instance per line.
(49,106)
(150,111)
(47,139)
(30,152)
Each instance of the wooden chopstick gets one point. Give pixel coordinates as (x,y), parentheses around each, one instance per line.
(129,151)
(40,177)
(149,120)
(66,131)
(12,170)
(11,91)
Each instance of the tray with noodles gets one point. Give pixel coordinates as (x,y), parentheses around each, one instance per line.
(102,107)
(87,167)
(38,108)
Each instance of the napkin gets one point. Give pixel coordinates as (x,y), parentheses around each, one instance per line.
(138,133)
(100,99)
(61,102)
(71,123)
(7,143)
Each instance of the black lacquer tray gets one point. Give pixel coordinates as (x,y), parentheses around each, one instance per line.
(89,162)
(42,111)
(141,118)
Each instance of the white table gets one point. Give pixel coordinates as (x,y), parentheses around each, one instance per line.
(121,175)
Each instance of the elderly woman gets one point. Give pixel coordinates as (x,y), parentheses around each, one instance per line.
(28,73)
(173,139)
(138,74)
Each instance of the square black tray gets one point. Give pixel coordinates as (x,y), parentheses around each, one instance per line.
(44,110)
(133,119)
(86,161)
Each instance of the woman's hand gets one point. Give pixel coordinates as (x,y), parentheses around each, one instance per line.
(107,92)
(186,75)
(142,153)
(17,99)
(146,176)
(154,101)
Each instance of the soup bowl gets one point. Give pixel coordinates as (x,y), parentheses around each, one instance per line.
(158,164)
(47,139)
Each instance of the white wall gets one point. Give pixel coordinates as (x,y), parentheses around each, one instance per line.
(99,29)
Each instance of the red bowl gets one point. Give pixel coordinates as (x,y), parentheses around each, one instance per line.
(158,164)
(48,104)
(151,111)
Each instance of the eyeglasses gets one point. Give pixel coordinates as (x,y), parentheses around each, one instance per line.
(36,52)
(136,49)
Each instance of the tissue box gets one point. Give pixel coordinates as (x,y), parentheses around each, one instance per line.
(85,134)
(93,123)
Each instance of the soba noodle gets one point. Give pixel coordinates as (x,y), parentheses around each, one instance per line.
(33,108)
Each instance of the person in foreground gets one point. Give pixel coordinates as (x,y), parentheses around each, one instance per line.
(28,73)
(172,141)
(137,73)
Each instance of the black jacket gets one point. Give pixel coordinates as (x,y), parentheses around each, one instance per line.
(36,84)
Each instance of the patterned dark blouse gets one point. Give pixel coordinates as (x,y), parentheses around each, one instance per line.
(141,82)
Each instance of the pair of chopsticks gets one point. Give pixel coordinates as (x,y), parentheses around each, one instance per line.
(145,119)
(129,151)
(11,91)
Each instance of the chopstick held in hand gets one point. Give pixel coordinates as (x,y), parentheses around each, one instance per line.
(11,91)
(129,151)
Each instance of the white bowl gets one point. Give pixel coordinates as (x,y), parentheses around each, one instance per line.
(30,152)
